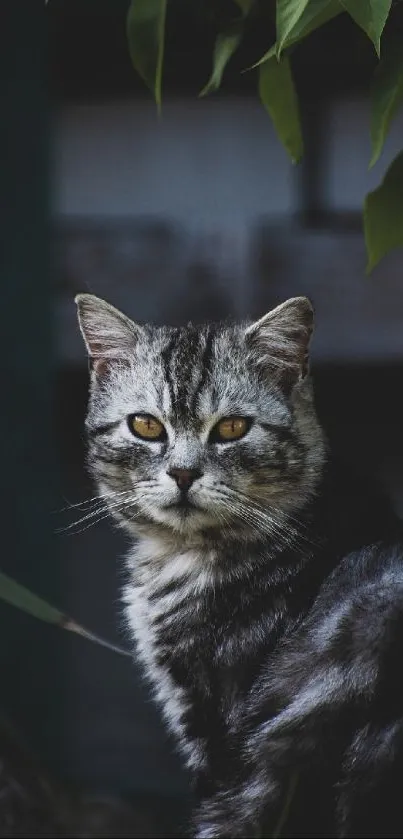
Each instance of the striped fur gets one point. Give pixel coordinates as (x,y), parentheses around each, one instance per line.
(260,612)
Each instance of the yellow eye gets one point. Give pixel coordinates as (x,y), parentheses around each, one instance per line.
(230,428)
(147,427)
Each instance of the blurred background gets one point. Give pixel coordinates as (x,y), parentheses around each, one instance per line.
(196,215)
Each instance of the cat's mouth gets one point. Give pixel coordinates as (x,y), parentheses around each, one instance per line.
(183,515)
(183,505)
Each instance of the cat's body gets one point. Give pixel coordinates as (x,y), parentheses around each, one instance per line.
(264,590)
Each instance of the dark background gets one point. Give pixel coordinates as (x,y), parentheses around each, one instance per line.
(198,215)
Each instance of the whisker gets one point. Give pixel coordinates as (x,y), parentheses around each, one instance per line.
(91,501)
(281,517)
(96,521)
(68,532)
(269,521)
(247,516)
(102,508)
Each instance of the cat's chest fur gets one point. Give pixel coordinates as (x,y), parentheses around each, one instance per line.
(162,597)
(197,651)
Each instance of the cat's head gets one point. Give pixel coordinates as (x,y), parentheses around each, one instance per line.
(202,429)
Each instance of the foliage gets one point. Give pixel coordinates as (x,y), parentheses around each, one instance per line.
(383,214)
(295,21)
(17,595)
(277,93)
(146,36)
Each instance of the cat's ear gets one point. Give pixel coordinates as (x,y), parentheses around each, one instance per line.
(280,340)
(108,334)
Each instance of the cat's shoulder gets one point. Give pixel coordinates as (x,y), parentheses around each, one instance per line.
(379,563)
(360,605)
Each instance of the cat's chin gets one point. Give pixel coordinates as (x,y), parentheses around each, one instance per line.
(183,519)
(179,520)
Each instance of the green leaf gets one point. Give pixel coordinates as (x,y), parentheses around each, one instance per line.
(245,6)
(277,93)
(383,214)
(288,13)
(224,49)
(145,27)
(266,57)
(316,14)
(22,598)
(386,97)
(371,16)
(17,595)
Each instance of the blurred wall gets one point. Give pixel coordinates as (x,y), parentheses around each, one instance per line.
(198,214)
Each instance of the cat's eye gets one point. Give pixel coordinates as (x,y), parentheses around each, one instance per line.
(147,427)
(230,428)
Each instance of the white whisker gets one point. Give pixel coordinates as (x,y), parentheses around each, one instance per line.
(103,507)
(91,501)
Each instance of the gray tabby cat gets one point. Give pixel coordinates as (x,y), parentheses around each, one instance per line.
(268,642)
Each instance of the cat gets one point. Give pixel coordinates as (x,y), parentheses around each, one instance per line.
(265,584)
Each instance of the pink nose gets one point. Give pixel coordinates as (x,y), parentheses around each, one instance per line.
(184,477)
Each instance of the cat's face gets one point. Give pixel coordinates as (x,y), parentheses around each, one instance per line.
(202,428)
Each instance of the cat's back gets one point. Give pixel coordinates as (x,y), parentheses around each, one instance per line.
(350,642)
(359,609)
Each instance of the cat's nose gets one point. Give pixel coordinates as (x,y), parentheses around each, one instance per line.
(184,477)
